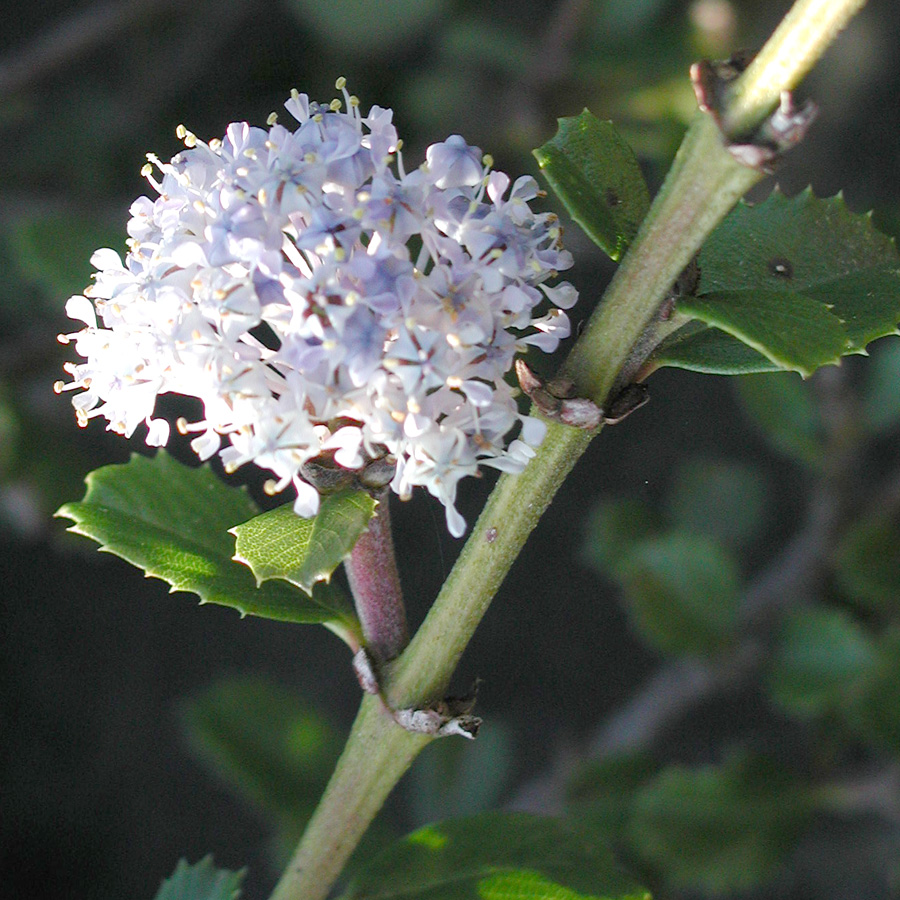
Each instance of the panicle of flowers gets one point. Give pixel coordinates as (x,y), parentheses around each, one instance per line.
(332,312)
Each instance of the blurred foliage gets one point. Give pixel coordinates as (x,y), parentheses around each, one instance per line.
(202,881)
(719,829)
(682,592)
(274,750)
(495,856)
(813,636)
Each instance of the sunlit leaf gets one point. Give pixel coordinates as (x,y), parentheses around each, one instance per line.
(281,544)
(172,521)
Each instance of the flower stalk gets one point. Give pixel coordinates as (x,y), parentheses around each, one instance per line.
(375,584)
(702,186)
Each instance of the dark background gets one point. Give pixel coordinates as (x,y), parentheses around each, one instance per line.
(99,797)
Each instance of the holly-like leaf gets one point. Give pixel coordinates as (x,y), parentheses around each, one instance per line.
(822,654)
(719,829)
(596,176)
(172,521)
(682,593)
(792,331)
(201,881)
(281,544)
(799,280)
(701,348)
(495,856)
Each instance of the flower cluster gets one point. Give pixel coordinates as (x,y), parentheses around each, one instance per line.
(331,311)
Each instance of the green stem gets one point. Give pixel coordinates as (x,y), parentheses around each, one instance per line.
(422,673)
(703,184)
(793,49)
(375,757)
(378,751)
(701,187)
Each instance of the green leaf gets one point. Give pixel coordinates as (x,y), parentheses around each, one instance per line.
(784,409)
(792,331)
(595,174)
(495,856)
(881,399)
(275,752)
(281,544)
(265,742)
(800,280)
(700,348)
(719,829)
(601,793)
(613,529)
(873,709)
(721,499)
(201,881)
(820,659)
(172,521)
(681,591)
(868,563)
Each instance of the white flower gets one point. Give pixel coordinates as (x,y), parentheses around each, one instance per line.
(329,309)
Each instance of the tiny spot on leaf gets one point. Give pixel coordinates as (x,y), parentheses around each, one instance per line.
(612,198)
(781,267)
